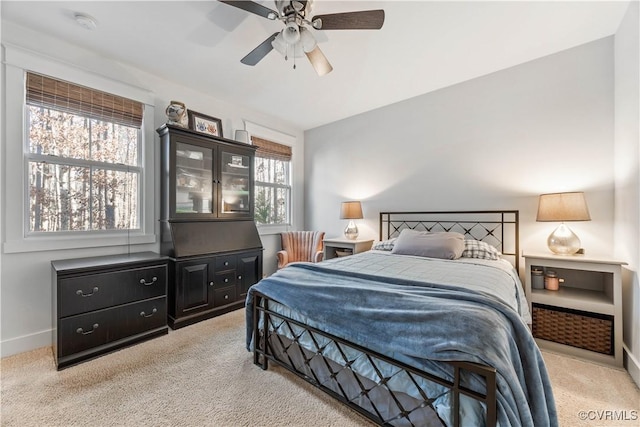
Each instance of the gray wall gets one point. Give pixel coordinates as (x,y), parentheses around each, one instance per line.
(627,159)
(497,142)
(494,142)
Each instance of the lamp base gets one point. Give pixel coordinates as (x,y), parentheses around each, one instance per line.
(351,232)
(563,241)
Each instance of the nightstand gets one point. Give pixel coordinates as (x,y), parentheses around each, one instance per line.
(345,246)
(584,317)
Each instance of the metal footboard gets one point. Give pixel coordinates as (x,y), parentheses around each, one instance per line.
(277,338)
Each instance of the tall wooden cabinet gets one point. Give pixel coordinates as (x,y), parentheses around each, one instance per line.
(207,226)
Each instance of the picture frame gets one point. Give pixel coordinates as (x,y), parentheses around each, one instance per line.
(204,124)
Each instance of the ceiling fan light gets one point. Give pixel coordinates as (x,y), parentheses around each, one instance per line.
(307,40)
(285,49)
(279,44)
(291,33)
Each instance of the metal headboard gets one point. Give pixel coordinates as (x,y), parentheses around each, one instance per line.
(498,228)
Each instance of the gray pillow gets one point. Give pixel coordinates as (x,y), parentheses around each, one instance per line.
(445,245)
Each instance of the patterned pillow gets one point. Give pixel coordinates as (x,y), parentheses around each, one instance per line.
(385,245)
(478,249)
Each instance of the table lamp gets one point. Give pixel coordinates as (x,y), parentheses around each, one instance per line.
(351,211)
(563,207)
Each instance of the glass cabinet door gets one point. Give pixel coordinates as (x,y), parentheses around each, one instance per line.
(235,184)
(194,179)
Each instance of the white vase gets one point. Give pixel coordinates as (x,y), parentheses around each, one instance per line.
(242,136)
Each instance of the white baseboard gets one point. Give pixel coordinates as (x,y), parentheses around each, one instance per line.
(632,365)
(25,343)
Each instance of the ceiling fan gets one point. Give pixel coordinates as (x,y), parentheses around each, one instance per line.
(296,37)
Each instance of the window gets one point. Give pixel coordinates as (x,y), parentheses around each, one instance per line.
(83,156)
(272,182)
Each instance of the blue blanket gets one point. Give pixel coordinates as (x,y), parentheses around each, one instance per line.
(417,322)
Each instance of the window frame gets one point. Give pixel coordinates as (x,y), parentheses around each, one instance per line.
(281,138)
(92,165)
(276,186)
(29,157)
(16,238)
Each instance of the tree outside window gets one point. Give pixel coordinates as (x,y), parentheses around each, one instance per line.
(272,183)
(84,170)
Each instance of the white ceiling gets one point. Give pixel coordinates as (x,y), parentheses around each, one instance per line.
(423,46)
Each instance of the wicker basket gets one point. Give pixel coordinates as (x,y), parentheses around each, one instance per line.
(575,328)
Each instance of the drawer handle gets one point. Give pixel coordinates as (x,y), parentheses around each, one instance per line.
(239,277)
(226,297)
(144,282)
(82,294)
(226,280)
(143,314)
(210,283)
(81,331)
(226,263)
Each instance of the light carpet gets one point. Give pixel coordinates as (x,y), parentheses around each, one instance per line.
(202,375)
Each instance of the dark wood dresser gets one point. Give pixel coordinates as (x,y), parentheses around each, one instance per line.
(104,303)
(211,285)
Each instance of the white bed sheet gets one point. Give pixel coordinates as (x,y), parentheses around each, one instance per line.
(497,278)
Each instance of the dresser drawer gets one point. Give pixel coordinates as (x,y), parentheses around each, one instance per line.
(226,262)
(91,330)
(225,279)
(90,292)
(224,296)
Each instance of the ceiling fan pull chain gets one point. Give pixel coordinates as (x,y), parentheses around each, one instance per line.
(294,58)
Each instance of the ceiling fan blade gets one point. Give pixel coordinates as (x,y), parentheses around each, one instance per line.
(259,52)
(364,20)
(252,7)
(319,61)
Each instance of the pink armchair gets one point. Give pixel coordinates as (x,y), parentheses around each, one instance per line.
(300,246)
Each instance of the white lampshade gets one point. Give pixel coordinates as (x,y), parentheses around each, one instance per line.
(291,33)
(561,207)
(294,41)
(351,211)
(307,40)
(285,49)
(279,44)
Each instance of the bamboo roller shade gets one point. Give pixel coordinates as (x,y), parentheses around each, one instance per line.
(271,150)
(47,92)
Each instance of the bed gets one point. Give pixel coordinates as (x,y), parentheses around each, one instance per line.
(411,338)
